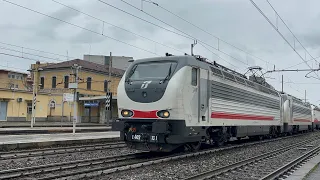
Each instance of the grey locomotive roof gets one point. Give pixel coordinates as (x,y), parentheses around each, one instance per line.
(218,70)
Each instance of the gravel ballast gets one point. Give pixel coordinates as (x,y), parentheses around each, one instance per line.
(258,170)
(43,160)
(183,168)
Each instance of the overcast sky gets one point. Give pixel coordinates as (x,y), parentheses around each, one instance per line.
(235,21)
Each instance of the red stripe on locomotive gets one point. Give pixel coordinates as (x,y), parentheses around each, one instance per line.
(302,120)
(145,114)
(223,115)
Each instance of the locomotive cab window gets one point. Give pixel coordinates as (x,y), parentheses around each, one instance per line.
(194,76)
(152,70)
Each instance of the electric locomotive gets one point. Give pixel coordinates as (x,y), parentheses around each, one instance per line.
(165,103)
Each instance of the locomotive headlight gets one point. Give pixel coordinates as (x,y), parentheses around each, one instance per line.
(163,114)
(166,114)
(126,113)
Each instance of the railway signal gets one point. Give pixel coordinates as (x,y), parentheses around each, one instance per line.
(108,100)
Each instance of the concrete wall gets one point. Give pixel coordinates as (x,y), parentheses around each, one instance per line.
(119,62)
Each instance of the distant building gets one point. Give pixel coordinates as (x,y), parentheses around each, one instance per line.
(16,97)
(14,80)
(119,62)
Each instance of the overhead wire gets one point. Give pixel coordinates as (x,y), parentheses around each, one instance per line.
(83,28)
(297,64)
(291,31)
(186,35)
(198,27)
(23,47)
(9,49)
(13,67)
(106,22)
(262,13)
(12,55)
(217,55)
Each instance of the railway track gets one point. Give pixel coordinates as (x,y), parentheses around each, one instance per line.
(60,150)
(286,170)
(108,165)
(241,168)
(67,168)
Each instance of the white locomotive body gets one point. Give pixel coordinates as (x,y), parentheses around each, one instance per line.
(173,101)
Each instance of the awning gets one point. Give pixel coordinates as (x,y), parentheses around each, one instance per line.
(95,98)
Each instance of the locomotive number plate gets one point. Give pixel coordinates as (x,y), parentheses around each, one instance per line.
(153,138)
(136,137)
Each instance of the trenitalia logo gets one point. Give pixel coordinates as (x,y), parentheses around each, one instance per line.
(145,84)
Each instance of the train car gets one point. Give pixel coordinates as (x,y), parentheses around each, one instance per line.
(297,115)
(316,117)
(301,115)
(165,103)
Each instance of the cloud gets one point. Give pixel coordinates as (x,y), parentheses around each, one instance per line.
(87,37)
(46,28)
(236,22)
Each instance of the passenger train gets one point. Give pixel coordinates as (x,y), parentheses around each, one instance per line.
(165,103)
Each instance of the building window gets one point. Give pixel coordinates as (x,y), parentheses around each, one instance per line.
(17,86)
(66,81)
(89,83)
(194,77)
(54,82)
(42,83)
(105,85)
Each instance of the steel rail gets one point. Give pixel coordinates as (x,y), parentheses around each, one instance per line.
(60,148)
(220,170)
(282,170)
(55,151)
(106,171)
(21,172)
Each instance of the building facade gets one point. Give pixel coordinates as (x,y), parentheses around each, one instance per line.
(53,87)
(16,105)
(93,85)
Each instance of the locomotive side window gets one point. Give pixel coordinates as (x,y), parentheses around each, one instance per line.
(194,76)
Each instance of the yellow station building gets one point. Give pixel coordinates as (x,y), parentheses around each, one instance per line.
(52,102)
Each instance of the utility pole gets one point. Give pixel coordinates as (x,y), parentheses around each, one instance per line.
(35,71)
(109,94)
(192,46)
(110,65)
(75,68)
(305,96)
(282,84)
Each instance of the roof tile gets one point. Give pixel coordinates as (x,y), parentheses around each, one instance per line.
(85,65)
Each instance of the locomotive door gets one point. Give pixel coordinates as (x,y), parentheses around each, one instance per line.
(203,96)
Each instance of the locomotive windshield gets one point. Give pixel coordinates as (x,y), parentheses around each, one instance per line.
(152,70)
